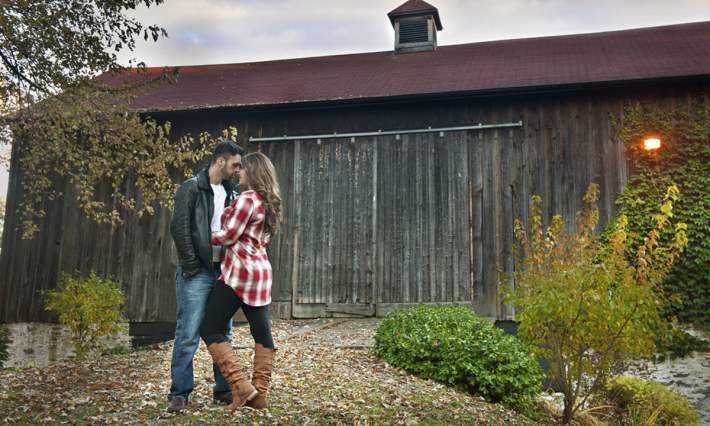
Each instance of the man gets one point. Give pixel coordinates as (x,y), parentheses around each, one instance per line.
(198,206)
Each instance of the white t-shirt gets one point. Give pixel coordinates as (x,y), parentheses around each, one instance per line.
(220,195)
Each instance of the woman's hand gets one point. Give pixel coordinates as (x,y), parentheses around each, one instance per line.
(228,211)
(234,221)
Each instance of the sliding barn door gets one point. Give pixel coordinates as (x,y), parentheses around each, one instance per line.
(334,228)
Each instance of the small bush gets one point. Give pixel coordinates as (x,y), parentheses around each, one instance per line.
(454,346)
(4,344)
(648,402)
(90,307)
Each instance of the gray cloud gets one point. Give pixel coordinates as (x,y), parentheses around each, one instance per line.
(224,31)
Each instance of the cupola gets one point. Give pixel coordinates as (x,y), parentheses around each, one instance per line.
(415,25)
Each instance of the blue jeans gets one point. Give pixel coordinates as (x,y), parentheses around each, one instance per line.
(191,295)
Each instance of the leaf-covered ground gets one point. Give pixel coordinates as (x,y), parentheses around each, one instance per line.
(324,374)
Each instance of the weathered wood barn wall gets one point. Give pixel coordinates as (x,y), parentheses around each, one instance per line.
(377,222)
(371,223)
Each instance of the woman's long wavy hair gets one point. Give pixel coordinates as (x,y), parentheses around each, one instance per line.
(262,179)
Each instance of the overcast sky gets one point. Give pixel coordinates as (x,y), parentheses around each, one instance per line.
(228,31)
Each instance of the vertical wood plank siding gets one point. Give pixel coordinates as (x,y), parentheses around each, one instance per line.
(335,244)
(378,221)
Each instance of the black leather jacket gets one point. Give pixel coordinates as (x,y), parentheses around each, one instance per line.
(190,224)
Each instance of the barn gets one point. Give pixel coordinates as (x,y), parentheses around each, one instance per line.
(402,171)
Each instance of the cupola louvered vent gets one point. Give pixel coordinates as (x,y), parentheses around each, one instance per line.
(413,31)
(415,24)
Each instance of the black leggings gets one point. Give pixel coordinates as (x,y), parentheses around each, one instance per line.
(222,304)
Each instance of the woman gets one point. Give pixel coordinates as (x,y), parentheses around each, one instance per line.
(245,280)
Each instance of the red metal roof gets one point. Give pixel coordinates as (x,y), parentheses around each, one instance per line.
(648,53)
(416,7)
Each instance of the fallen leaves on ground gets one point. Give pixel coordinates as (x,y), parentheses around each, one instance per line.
(324,373)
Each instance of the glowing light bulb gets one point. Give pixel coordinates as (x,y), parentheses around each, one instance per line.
(651,144)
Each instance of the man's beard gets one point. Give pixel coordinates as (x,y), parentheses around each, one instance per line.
(233,179)
(225,174)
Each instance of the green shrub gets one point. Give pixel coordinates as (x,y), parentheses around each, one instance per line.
(645,402)
(4,343)
(90,307)
(451,344)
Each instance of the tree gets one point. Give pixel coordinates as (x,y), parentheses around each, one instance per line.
(583,304)
(68,123)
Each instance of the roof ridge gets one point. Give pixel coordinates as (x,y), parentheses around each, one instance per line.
(445,46)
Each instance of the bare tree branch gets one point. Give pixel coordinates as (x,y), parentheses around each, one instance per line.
(13,68)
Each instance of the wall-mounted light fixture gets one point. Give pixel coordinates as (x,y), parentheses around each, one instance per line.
(651,143)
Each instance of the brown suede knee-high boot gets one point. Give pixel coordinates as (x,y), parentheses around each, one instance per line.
(263,362)
(226,360)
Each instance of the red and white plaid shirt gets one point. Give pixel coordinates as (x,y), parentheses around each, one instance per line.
(245,266)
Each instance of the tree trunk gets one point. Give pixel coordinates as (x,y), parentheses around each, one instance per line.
(567,413)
